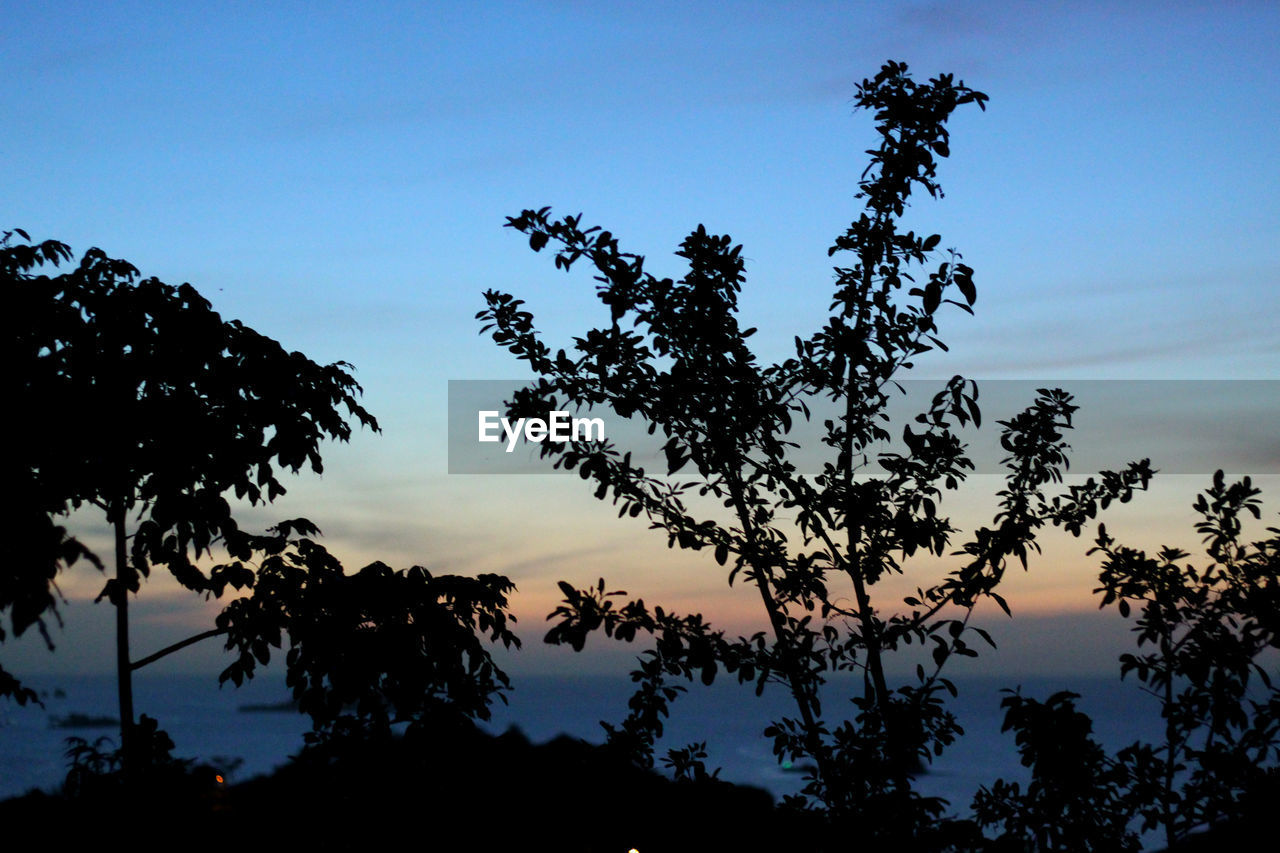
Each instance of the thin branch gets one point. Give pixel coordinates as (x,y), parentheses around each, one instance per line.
(168,650)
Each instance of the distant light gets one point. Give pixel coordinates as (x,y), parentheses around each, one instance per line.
(218,778)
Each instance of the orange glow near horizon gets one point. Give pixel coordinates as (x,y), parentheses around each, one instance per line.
(553,530)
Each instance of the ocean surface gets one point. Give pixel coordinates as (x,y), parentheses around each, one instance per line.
(731,719)
(211,725)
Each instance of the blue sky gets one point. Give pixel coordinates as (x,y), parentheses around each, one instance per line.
(337,177)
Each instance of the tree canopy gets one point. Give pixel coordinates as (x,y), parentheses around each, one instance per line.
(143,402)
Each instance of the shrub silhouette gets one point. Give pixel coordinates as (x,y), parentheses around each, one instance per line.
(370,649)
(1206,642)
(1207,638)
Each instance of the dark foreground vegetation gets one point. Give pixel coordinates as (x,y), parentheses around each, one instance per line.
(454,788)
(461,788)
(195,411)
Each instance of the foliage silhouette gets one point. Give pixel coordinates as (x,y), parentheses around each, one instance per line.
(1207,638)
(1076,800)
(1210,635)
(95,772)
(502,791)
(36,548)
(674,356)
(157,410)
(370,649)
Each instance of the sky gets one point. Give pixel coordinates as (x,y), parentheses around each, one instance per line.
(338,178)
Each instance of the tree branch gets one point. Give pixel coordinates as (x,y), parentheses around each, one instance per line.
(168,650)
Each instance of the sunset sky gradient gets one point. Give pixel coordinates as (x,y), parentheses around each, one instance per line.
(338,177)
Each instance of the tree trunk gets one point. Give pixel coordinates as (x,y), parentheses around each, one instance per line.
(124,673)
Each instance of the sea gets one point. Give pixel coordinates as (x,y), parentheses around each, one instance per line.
(220,725)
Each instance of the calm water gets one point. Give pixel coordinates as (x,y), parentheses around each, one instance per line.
(731,719)
(206,723)
(203,721)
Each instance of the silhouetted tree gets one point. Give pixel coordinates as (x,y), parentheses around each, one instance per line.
(35,547)
(142,402)
(674,356)
(1207,638)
